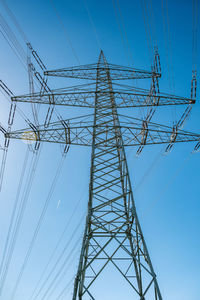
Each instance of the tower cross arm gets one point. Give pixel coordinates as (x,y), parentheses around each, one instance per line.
(86,98)
(79,132)
(90,72)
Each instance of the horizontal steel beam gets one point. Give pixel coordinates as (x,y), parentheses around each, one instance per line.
(124,99)
(90,72)
(80,133)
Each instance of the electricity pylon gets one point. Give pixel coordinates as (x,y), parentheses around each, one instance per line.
(113,233)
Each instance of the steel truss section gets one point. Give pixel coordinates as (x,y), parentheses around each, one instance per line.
(80,132)
(90,72)
(84,98)
(113,233)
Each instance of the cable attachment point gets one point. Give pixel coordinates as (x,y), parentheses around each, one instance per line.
(144,134)
(6,136)
(172,138)
(194,85)
(67,135)
(36,57)
(12,112)
(36,137)
(48,115)
(196,148)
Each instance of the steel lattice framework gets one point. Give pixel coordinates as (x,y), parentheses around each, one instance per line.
(90,72)
(79,131)
(84,97)
(113,233)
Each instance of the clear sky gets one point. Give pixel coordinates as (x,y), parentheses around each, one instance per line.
(166,187)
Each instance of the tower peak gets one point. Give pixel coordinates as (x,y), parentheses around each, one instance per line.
(102,58)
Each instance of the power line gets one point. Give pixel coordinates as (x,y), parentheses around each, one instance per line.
(194,34)
(18,219)
(92,25)
(12,16)
(64,291)
(168,49)
(147,28)
(13,42)
(62,271)
(38,226)
(124,32)
(146,174)
(18,50)
(56,247)
(14,208)
(167,185)
(121,31)
(58,261)
(65,31)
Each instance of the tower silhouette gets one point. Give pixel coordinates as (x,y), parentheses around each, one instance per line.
(113,234)
(112,231)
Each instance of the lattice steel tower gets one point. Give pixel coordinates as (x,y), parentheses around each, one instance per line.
(112,230)
(113,233)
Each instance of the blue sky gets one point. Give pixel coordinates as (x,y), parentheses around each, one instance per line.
(165,187)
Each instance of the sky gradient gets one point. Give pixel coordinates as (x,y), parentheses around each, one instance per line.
(165,187)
